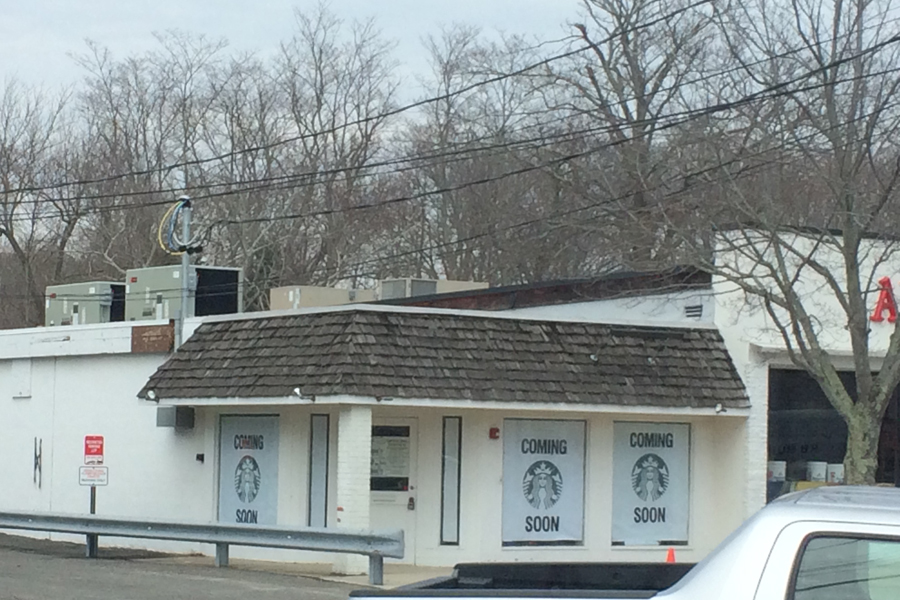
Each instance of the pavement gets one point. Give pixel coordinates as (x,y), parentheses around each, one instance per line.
(33,569)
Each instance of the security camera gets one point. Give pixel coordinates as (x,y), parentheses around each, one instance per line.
(298,393)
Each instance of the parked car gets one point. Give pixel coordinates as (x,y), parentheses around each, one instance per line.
(828,543)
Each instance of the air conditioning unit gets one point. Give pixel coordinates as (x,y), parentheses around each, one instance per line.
(307,296)
(408,287)
(154,293)
(84,303)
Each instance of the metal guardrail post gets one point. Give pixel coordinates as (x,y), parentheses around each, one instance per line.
(92,545)
(376,569)
(221,555)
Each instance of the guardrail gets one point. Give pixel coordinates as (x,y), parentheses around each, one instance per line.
(375,545)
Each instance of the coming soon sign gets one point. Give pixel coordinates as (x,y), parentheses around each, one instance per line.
(543,481)
(248,476)
(651,483)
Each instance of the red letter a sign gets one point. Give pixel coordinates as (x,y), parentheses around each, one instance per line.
(886,302)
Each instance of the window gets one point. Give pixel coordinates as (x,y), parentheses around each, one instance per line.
(845,568)
(390,458)
(318,470)
(804,427)
(452,449)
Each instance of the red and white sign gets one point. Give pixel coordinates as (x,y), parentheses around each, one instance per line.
(93,476)
(886,302)
(93,449)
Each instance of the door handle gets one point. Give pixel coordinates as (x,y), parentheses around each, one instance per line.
(411,505)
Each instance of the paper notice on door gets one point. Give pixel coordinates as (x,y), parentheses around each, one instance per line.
(390,457)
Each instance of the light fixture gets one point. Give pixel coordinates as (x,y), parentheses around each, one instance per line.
(151,395)
(299,393)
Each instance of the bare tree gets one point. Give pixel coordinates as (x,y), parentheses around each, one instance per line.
(319,117)
(140,115)
(34,222)
(641,73)
(805,201)
(483,154)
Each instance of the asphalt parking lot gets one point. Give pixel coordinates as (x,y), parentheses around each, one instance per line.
(41,570)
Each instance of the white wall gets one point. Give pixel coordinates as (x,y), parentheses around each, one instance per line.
(154,472)
(151,470)
(660,309)
(717,456)
(734,309)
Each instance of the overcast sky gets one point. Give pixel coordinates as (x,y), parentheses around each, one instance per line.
(36,36)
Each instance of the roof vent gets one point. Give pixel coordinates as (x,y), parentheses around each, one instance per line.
(694,311)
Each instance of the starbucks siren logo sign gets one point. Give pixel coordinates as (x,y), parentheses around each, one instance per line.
(542,484)
(650,477)
(247,479)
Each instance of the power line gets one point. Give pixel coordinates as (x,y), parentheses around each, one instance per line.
(365,120)
(464,146)
(684,116)
(493,230)
(715,108)
(288,181)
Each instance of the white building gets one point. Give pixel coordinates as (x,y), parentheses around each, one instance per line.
(484,436)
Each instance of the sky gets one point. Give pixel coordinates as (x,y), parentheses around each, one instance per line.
(37,37)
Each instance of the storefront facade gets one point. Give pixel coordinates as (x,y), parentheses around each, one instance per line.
(483,438)
(487,485)
(518,475)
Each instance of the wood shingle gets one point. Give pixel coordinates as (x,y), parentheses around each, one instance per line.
(452,357)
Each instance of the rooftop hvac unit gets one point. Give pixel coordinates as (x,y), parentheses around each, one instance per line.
(408,287)
(307,296)
(84,303)
(154,293)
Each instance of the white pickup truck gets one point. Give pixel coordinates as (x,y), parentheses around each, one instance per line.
(829,543)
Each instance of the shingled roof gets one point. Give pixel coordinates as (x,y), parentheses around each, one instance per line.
(377,353)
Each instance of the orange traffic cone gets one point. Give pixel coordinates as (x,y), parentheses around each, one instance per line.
(670,555)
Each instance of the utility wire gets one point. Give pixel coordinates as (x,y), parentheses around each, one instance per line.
(366,120)
(464,147)
(715,108)
(690,180)
(493,230)
(682,117)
